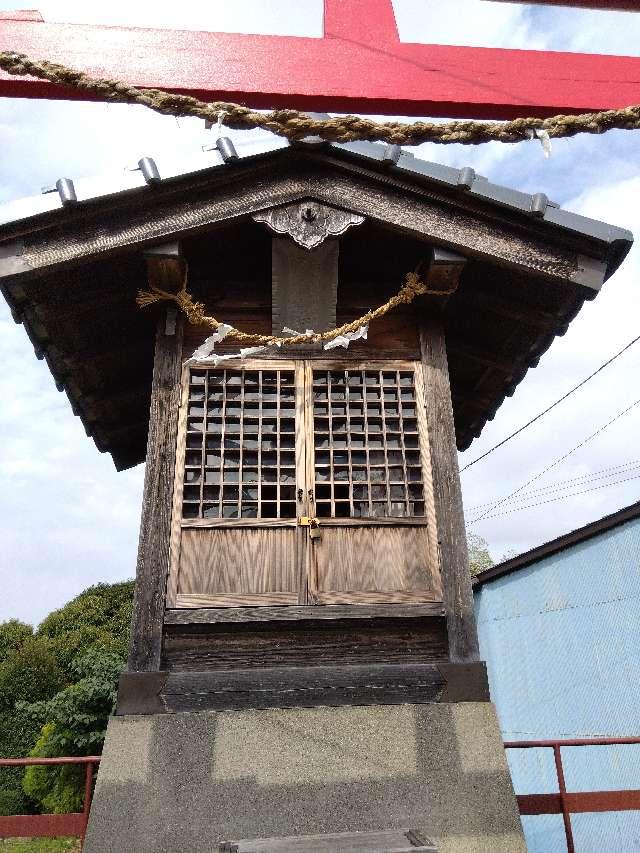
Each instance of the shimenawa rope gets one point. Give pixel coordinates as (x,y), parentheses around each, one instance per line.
(295,125)
(195,314)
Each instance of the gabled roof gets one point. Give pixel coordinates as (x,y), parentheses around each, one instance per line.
(150,173)
(71,262)
(581,534)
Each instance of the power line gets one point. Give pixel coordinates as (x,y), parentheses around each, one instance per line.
(552,406)
(563,485)
(555,462)
(560,497)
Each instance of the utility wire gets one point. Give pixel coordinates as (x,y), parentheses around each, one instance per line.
(552,406)
(563,485)
(560,497)
(555,463)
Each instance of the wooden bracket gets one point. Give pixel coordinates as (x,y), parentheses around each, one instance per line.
(445,268)
(165,267)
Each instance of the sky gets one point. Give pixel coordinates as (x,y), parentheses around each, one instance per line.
(68,519)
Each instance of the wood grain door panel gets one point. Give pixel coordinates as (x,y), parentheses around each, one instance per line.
(368,458)
(372,564)
(261,445)
(239,487)
(239,566)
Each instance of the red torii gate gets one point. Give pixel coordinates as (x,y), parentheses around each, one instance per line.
(360,65)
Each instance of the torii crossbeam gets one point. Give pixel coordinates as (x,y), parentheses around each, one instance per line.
(360,65)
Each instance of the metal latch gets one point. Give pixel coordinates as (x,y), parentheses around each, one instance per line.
(312,524)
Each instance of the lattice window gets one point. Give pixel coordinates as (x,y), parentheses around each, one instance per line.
(367,444)
(240,445)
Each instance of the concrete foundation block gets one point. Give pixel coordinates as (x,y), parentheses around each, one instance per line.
(182,783)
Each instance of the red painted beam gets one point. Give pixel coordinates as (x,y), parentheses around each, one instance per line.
(359,66)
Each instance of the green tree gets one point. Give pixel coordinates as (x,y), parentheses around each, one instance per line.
(28,671)
(479,556)
(100,617)
(57,689)
(18,733)
(12,635)
(76,724)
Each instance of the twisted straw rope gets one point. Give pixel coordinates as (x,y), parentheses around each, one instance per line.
(295,125)
(194,312)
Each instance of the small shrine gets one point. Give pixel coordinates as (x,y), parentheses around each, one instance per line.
(296,343)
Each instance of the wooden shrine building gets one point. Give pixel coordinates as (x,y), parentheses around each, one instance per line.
(302,581)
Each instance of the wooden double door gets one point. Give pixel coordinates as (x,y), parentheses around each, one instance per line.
(303,482)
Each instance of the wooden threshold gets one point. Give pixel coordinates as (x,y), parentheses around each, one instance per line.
(198,600)
(216,615)
(301,686)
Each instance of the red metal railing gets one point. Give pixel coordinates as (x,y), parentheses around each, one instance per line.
(565,802)
(50,825)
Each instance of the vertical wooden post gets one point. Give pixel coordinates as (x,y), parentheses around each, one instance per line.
(155,526)
(452,539)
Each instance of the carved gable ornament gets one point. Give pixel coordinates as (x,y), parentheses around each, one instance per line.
(308,222)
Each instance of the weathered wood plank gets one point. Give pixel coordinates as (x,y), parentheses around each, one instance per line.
(452,541)
(239,599)
(212,616)
(304,643)
(153,549)
(299,686)
(238,561)
(314,305)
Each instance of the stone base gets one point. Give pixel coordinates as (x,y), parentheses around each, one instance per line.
(182,783)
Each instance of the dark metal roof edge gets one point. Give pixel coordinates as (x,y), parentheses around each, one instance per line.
(617,239)
(593,528)
(393,160)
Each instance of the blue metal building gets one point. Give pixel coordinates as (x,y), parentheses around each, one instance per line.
(559,627)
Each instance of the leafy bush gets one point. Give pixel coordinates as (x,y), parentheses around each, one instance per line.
(99,617)
(55,789)
(57,689)
(76,725)
(29,673)
(18,733)
(12,635)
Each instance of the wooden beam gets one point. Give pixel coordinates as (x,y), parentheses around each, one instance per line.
(359,66)
(225,615)
(443,275)
(301,687)
(503,365)
(452,539)
(153,550)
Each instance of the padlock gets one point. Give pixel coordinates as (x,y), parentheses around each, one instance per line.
(314,530)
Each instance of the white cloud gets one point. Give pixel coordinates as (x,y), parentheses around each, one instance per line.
(471,22)
(278,17)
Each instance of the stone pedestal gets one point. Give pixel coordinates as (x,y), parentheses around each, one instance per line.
(182,783)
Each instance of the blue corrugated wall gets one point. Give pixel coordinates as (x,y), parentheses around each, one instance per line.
(562,643)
